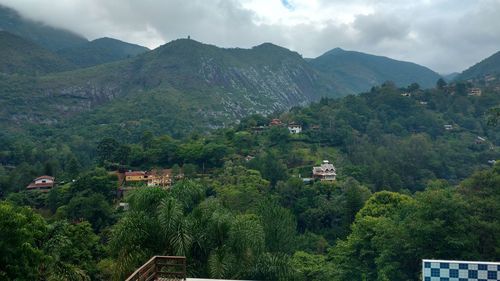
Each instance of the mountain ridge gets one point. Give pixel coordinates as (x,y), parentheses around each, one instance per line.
(201,84)
(489,65)
(20,56)
(49,37)
(360,71)
(100,51)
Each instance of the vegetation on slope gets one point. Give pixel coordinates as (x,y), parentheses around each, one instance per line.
(359,72)
(207,86)
(19,56)
(400,184)
(488,66)
(99,51)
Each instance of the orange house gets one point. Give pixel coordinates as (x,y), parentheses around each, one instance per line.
(135,176)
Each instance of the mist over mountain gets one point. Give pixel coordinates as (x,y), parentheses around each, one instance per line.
(181,84)
(46,36)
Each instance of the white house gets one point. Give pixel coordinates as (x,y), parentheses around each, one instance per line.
(325,172)
(43,183)
(294,128)
(475,92)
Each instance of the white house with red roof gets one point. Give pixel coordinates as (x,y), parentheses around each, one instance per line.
(43,183)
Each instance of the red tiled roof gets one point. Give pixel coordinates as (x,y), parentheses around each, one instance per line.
(276,122)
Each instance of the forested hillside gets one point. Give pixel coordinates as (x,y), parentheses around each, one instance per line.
(490,66)
(244,209)
(359,72)
(19,56)
(181,84)
(254,164)
(99,51)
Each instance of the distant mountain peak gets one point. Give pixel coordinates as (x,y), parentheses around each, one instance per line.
(182,42)
(360,71)
(42,34)
(334,51)
(267,45)
(101,50)
(488,66)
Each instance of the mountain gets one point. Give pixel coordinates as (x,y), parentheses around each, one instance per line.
(21,56)
(101,51)
(490,65)
(182,84)
(450,76)
(359,71)
(71,47)
(41,34)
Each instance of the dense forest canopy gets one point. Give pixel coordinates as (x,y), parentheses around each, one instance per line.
(415,180)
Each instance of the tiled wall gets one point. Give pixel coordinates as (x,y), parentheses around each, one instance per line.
(436,270)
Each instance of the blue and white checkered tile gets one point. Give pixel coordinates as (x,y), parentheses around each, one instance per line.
(460,271)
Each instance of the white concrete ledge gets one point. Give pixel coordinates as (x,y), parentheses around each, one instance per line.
(198,279)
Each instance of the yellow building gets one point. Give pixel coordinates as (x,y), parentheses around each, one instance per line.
(136,176)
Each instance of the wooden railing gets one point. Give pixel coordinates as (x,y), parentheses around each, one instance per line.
(161,268)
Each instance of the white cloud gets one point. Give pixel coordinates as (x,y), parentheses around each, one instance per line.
(446,35)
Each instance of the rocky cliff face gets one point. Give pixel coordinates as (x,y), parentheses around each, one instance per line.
(214,86)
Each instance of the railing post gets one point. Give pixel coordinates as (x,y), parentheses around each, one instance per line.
(155,264)
(161,266)
(185,268)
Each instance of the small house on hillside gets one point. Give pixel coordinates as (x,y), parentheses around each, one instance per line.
(249,158)
(480,140)
(294,128)
(258,129)
(161,178)
(325,172)
(475,92)
(43,183)
(489,78)
(276,122)
(448,127)
(136,176)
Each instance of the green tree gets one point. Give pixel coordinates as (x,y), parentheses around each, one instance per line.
(73,251)
(93,208)
(96,181)
(22,233)
(440,84)
(312,267)
(279,227)
(240,189)
(106,149)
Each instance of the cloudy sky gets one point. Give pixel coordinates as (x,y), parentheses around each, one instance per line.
(445,35)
